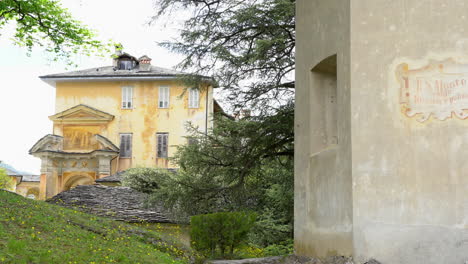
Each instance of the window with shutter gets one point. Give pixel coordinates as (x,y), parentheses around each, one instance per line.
(127,97)
(194,98)
(163,101)
(126,145)
(192,141)
(162,144)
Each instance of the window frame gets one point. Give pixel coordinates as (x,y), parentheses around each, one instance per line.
(127,97)
(192,141)
(129,155)
(164,95)
(194,98)
(160,148)
(127,64)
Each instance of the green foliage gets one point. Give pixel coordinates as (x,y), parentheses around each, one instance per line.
(239,40)
(6,182)
(240,165)
(146,180)
(248,47)
(38,232)
(46,24)
(282,249)
(220,232)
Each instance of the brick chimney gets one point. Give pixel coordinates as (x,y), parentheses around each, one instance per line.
(145,64)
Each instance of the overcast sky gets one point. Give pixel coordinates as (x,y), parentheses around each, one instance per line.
(26,101)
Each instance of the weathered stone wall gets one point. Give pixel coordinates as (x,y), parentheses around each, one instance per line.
(410,177)
(395,181)
(323,200)
(118,203)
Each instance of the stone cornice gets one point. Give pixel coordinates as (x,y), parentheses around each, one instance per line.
(82,114)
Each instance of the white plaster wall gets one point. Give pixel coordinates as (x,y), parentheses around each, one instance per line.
(410,180)
(323,209)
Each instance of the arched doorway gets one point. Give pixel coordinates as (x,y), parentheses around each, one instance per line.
(33,193)
(74,181)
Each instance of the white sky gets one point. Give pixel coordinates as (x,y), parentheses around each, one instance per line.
(26,101)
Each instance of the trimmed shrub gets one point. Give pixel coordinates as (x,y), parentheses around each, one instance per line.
(220,233)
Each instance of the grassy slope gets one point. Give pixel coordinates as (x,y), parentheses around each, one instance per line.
(37,232)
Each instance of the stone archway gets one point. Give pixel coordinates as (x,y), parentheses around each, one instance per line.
(77,180)
(33,193)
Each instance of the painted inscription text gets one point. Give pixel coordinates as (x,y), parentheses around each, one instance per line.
(439,89)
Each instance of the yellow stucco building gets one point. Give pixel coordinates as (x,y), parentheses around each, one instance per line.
(112,118)
(24,183)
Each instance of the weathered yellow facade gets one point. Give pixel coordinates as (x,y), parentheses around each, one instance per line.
(143,121)
(28,189)
(94,108)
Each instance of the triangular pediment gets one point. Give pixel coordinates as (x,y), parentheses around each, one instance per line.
(82,114)
(48,143)
(106,144)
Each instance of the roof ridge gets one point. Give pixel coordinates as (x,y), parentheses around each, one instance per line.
(112,71)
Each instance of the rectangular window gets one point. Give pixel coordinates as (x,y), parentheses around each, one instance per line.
(127,97)
(162,144)
(125,65)
(163,97)
(126,145)
(192,141)
(194,98)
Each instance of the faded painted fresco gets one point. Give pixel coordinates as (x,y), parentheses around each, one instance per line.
(439,89)
(398,170)
(80,138)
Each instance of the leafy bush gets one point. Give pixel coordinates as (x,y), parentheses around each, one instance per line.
(6,182)
(220,232)
(283,249)
(271,228)
(146,180)
(248,251)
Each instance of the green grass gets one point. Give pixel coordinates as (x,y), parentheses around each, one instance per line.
(37,232)
(170,232)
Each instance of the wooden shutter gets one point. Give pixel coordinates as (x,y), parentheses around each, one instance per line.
(124,99)
(125,145)
(130,97)
(162,145)
(127,97)
(163,97)
(194,98)
(158,147)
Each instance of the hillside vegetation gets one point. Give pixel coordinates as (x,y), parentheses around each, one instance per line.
(37,232)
